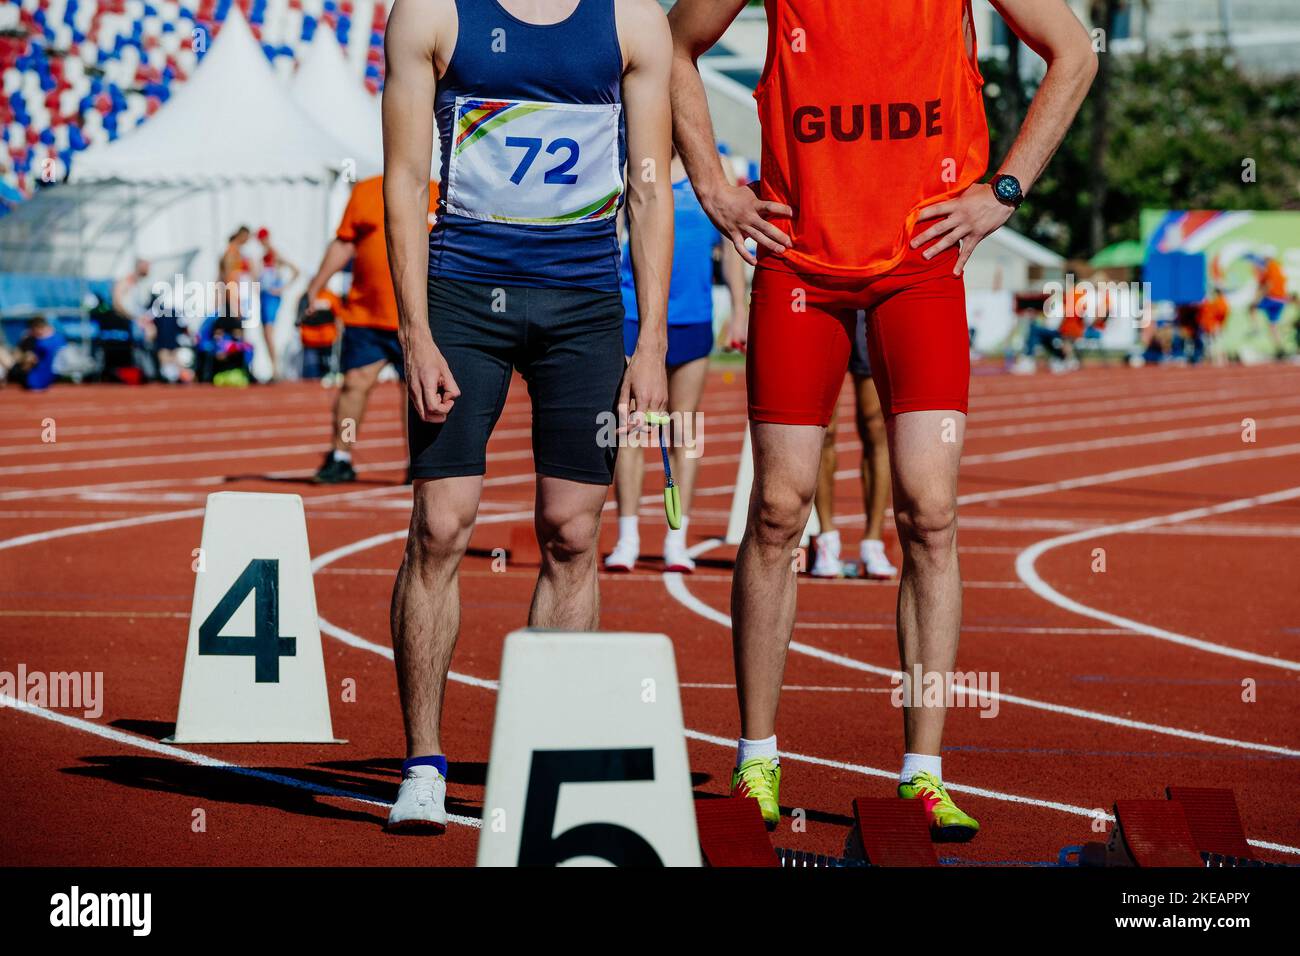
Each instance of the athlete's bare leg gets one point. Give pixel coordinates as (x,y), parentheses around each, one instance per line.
(629,475)
(425,614)
(350,406)
(825,498)
(875,454)
(268,336)
(925,448)
(567,516)
(786,459)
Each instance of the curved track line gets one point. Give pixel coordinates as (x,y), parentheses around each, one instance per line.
(361,643)
(1026,571)
(676,586)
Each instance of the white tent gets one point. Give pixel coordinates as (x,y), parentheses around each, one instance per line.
(231,122)
(231,147)
(328,90)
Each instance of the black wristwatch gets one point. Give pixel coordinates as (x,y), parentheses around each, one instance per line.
(1007,190)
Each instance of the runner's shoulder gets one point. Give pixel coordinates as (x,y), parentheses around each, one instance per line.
(421,18)
(642,25)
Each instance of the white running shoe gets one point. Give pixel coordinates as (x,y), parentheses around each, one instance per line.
(875,563)
(1024,365)
(421,805)
(826,555)
(624,555)
(676,555)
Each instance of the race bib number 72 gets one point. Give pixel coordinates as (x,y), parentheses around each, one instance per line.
(539,163)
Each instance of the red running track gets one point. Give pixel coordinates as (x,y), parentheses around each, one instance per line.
(1111,684)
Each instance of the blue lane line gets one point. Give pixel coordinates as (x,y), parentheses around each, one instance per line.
(1155,754)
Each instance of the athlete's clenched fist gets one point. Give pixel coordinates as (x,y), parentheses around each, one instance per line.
(429,381)
(644,389)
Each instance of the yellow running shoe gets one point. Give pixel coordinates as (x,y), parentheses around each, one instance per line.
(760,778)
(947,823)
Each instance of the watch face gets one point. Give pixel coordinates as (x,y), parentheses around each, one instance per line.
(1007,188)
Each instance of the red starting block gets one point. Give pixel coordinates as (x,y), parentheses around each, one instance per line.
(1214,821)
(732,833)
(891,832)
(1147,833)
(523,546)
(1196,826)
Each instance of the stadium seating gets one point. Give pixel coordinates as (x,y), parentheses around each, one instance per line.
(74,73)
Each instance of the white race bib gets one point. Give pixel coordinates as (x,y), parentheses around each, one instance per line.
(547,164)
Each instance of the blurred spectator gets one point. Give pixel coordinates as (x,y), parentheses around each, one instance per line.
(31,365)
(319,330)
(132,300)
(1040,332)
(277,274)
(168,329)
(1272,297)
(1187,344)
(226,354)
(232,272)
(1211,318)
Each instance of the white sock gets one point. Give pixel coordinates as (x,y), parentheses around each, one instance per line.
(920,763)
(749,749)
(677,536)
(342,455)
(830,536)
(628,528)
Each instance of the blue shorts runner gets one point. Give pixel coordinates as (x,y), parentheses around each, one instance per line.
(364,346)
(1272,308)
(686,343)
(859,359)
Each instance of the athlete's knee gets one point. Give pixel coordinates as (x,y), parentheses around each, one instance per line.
(928,523)
(438,535)
(779,514)
(567,538)
(359,381)
(871,428)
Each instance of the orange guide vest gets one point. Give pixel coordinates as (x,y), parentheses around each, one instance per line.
(869,111)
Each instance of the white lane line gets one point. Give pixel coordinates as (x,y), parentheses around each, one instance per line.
(1087,481)
(809,688)
(965,628)
(1208,406)
(202,760)
(270,451)
(1026,560)
(1127,474)
(1221,430)
(676,587)
(39,536)
(362,643)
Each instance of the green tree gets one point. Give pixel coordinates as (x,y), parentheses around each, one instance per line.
(1181,130)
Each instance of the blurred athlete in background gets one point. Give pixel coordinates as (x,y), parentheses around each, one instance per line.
(690,340)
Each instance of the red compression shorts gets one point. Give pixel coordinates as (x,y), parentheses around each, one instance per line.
(801,331)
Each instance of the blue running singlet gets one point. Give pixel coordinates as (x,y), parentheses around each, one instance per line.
(690,288)
(533,138)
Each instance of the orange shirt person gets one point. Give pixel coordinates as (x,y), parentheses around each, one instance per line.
(1214,313)
(368,313)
